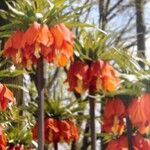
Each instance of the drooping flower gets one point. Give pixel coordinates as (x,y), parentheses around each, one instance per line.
(77,77)
(58,131)
(3,140)
(113,118)
(118,144)
(103,77)
(13,47)
(145,104)
(140,143)
(50,129)
(6,96)
(37,41)
(74,130)
(136,113)
(55,44)
(63,44)
(68,131)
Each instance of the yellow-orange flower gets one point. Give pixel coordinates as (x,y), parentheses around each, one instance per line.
(103,77)
(63,44)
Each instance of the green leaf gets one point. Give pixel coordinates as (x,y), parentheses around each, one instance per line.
(78,24)
(4,14)
(58,3)
(15,11)
(17,87)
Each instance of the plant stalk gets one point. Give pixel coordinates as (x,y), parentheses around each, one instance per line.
(55,146)
(40,88)
(129,133)
(92,123)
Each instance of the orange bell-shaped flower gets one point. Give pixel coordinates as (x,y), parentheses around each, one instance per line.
(51,131)
(63,44)
(141,143)
(57,131)
(13,47)
(55,44)
(113,118)
(77,77)
(136,113)
(145,104)
(37,41)
(118,144)
(68,131)
(103,77)
(6,96)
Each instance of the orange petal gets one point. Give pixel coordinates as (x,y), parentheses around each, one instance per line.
(17,38)
(61,60)
(31,34)
(67,50)
(8,94)
(58,36)
(114,107)
(136,113)
(118,144)
(68,34)
(145,105)
(45,37)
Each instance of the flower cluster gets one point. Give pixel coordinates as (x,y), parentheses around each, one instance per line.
(58,131)
(6,96)
(55,44)
(98,76)
(114,121)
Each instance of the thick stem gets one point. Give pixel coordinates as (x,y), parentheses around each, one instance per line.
(129,133)
(92,123)
(55,146)
(85,142)
(40,88)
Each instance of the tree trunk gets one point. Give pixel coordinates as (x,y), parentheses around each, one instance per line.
(140,29)
(102,15)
